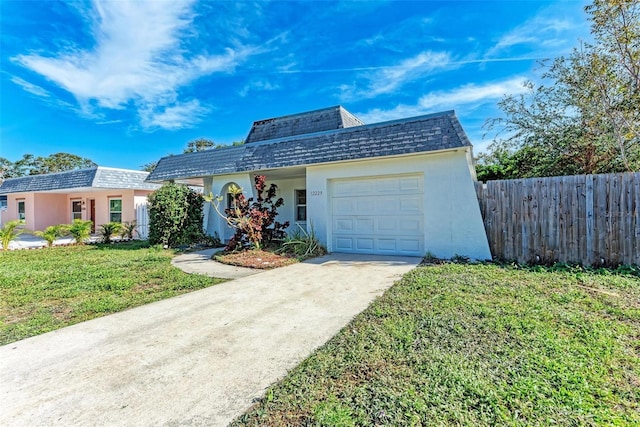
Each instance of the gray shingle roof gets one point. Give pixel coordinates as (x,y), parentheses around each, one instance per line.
(432,132)
(97,177)
(302,123)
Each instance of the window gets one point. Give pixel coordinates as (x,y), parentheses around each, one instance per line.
(301,205)
(3,202)
(21,211)
(115,210)
(76,209)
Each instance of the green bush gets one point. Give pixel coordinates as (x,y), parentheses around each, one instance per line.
(175,215)
(9,232)
(303,244)
(52,232)
(127,229)
(108,230)
(80,230)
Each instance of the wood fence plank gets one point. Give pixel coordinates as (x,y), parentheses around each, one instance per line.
(587,219)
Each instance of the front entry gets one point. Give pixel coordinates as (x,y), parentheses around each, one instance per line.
(92,214)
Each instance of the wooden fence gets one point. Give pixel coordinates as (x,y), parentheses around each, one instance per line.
(590,219)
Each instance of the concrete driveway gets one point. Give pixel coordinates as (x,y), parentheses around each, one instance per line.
(198,359)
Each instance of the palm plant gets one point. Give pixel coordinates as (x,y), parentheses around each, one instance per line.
(108,230)
(80,230)
(51,233)
(9,232)
(127,229)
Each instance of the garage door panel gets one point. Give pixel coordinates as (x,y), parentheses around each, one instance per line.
(378,215)
(344,224)
(344,244)
(364,244)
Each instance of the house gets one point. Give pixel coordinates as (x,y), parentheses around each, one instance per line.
(403,187)
(99,194)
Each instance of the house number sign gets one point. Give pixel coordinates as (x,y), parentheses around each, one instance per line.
(316,193)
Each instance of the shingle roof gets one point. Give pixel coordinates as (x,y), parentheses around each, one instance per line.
(434,132)
(97,177)
(302,123)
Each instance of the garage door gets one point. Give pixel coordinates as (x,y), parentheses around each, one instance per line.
(379,215)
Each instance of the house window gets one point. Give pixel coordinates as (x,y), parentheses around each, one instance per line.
(76,209)
(3,202)
(21,211)
(115,210)
(301,205)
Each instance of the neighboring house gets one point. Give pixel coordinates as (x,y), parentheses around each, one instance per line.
(404,187)
(99,194)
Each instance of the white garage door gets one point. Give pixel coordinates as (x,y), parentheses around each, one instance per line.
(379,215)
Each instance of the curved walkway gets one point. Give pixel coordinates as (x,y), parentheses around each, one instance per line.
(197,359)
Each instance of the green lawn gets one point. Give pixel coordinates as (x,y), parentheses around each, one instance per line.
(475,345)
(46,289)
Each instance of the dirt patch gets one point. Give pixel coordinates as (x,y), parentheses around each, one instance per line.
(256,259)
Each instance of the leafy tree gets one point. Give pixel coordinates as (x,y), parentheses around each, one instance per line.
(31,165)
(175,215)
(254,221)
(149,167)
(199,144)
(587,118)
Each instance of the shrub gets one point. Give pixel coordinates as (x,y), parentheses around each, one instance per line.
(303,244)
(175,215)
(80,230)
(108,230)
(254,221)
(9,232)
(51,233)
(127,229)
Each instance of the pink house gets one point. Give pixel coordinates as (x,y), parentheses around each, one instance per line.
(99,194)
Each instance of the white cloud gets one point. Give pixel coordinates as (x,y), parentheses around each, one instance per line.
(383,80)
(136,59)
(30,87)
(177,116)
(259,86)
(551,28)
(466,97)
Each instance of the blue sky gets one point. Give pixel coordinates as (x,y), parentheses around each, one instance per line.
(125,83)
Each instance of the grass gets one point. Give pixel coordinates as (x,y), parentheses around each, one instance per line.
(47,289)
(475,345)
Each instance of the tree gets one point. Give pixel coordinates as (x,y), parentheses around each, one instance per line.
(199,144)
(587,118)
(149,167)
(175,215)
(31,165)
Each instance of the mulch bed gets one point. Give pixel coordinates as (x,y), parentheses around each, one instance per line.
(255,259)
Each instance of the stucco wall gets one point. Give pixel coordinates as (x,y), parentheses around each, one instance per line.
(453,223)
(218,186)
(45,209)
(51,209)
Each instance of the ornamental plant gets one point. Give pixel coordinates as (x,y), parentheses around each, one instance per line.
(52,232)
(80,230)
(175,215)
(254,221)
(9,232)
(108,230)
(127,229)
